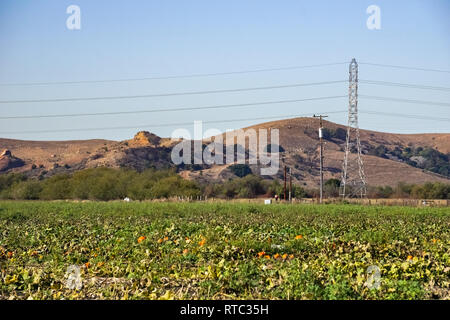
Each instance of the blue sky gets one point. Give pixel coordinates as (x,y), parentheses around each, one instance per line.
(134,39)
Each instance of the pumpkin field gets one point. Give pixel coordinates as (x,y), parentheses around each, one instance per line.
(168,250)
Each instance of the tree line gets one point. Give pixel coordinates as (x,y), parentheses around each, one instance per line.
(110,184)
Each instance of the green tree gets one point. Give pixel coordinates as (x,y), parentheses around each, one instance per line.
(331,188)
(26,190)
(240,170)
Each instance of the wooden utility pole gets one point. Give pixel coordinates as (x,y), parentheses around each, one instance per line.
(284,183)
(321,153)
(290,184)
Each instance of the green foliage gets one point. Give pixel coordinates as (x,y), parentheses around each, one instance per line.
(221,250)
(240,170)
(381,192)
(329,134)
(268,148)
(431,191)
(425,158)
(402,190)
(276,188)
(99,184)
(333,183)
(380,151)
(107,184)
(249,186)
(56,187)
(174,186)
(26,190)
(331,188)
(7,181)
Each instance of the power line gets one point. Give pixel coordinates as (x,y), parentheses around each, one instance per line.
(225,106)
(405,100)
(295,85)
(420,117)
(195,75)
(175,93)
(166,124)
(404,115)
(404,67)
(214,74)
(170,109)
(404,85)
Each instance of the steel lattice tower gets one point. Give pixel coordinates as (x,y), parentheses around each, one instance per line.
(353,183)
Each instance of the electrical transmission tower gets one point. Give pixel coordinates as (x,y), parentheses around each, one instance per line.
(353,182)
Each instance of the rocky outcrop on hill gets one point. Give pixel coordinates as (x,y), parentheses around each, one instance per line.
(145,138)
(8,161)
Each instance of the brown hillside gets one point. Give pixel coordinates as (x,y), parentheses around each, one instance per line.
(298,138)
(46,154)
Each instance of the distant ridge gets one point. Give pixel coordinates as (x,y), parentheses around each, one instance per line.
(298,137)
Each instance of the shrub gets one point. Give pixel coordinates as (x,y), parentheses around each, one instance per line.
(331,187)
(339,134)
(56,187)
(109,184)
(240,170)
(26,190)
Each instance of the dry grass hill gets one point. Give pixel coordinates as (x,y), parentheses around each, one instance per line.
(298,140)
